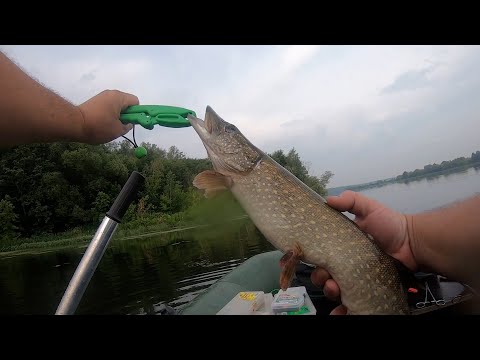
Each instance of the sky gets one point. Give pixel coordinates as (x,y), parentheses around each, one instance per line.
(363,112)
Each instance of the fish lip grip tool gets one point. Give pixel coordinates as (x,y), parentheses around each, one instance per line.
(148,116)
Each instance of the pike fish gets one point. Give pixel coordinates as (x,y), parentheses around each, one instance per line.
(297,221)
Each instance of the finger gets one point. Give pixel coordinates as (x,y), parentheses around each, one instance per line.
(339,310)
(353,202)
(331,289)
(126,101)
(129,100)
(119,129)
(319,276)
(127,128)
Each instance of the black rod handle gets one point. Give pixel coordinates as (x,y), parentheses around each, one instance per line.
(129,193)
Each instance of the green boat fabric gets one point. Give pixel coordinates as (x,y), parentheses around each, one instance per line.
(259,273)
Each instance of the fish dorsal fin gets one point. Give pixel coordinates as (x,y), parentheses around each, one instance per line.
(212,182)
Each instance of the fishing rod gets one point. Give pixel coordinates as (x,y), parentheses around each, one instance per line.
(147,116)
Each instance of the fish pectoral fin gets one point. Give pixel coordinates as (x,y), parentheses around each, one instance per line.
(288,263)
(285,259)
(211,192)
(212,182)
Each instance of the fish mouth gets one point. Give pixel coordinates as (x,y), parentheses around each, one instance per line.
(202,127)
(197,124)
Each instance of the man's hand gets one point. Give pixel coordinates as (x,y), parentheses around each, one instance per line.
(388,228)
(101,116)
(445,241)
(31,113)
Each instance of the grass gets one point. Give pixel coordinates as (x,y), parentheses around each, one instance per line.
(217,211)
(79,236)
(144,226)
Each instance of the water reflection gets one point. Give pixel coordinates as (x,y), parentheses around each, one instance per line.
(134,276)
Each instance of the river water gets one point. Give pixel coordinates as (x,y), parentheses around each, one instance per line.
(138,276)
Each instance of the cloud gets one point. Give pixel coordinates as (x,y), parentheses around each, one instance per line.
(363,112)
(88,76)
(412,79)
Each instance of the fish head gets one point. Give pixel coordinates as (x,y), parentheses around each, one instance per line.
(229,150)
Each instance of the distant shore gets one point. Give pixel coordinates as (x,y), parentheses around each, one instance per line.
(383,182)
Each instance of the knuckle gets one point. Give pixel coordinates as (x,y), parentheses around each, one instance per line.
(112,92)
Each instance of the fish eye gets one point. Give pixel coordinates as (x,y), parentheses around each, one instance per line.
(230,128)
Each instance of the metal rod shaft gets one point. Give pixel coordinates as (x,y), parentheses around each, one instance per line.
(86,268)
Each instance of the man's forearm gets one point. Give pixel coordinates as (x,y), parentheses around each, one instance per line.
(449,239)
(32,113)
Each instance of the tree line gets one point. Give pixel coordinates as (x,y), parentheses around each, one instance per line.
(52,188)
(443,166)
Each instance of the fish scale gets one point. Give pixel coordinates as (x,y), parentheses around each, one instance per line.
(286,211)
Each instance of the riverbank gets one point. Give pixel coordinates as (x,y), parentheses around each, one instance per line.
(79,236)
(216,211)
(82,241)
(60,241)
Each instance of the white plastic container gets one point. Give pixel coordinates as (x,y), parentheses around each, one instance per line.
(259,303)
(244,303)
(293,301)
